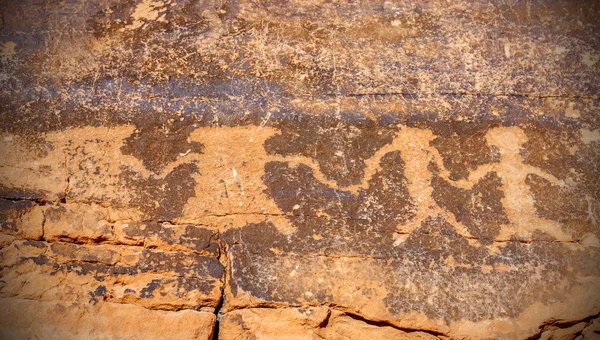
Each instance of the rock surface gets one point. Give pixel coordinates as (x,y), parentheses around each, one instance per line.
(298,170)
(21,319)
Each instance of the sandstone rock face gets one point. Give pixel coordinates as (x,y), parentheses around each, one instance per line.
(299,170)
(81,320)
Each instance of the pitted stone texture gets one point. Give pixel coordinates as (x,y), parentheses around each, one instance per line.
(92,223)
(416,166)
(424,281)
(21,218)
(153,57)
(407,243)
(72,272)
(166,65)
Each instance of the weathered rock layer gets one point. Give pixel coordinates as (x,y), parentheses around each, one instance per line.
(298,170)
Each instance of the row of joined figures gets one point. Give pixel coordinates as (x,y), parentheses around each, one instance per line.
(415,149)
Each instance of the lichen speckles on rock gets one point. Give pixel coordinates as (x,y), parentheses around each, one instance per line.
(308,169)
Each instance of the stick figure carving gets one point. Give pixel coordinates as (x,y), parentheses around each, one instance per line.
(518,200)
(417,153)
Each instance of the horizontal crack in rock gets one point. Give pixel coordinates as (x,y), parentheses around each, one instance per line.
(344,311)
(460,94)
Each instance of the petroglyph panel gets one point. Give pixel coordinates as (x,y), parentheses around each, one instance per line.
(306,169)
(403,242)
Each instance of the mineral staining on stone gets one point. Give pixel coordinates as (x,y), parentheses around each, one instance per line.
(315,169)
(414,242)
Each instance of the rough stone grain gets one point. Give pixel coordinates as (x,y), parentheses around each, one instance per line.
(310,323)
(30,319)
(300,169)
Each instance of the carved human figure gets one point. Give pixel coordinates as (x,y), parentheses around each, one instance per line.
(518,200)
(415,149)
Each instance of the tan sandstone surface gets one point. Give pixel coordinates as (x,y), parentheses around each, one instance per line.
(199,169)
